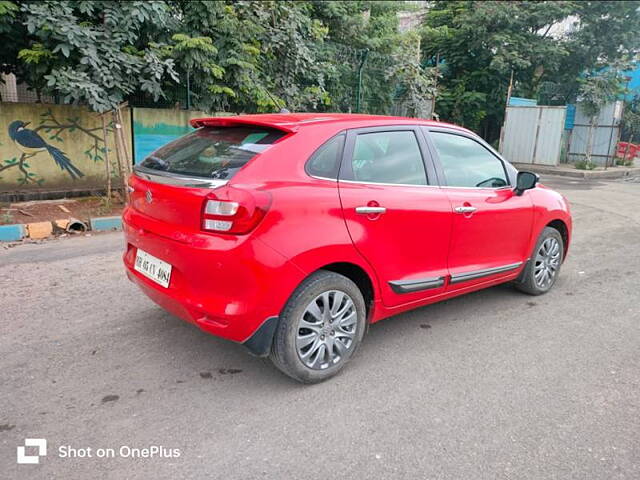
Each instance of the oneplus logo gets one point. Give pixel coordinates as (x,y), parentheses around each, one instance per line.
(41,443)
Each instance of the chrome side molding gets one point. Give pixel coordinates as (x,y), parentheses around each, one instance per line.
(463,277)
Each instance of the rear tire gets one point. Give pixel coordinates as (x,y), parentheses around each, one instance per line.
(543,268)
(320,328)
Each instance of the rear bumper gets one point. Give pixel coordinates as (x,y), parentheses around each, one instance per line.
(228,287)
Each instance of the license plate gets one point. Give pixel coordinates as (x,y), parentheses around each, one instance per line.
(153,268)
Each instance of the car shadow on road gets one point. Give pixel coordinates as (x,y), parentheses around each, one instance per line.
(204,357)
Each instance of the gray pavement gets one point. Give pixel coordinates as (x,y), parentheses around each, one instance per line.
(495,384)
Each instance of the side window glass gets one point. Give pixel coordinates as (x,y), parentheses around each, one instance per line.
(388,157)
(325,162)
(466,163)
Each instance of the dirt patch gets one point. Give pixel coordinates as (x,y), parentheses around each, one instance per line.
(50,210)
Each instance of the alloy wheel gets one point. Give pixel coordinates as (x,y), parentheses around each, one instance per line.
(326,330)
(547,263)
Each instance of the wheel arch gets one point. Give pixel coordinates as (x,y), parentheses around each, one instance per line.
(357,275)
(559,225)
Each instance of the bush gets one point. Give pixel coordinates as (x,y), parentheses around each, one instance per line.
(624,162)
(585,165)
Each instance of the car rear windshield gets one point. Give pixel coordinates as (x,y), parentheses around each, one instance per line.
(212,152)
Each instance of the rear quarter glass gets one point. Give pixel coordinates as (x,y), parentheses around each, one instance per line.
(215,153)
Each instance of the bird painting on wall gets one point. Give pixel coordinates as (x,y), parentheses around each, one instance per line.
(30,143)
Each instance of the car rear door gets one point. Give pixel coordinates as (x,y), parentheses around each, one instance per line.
(398,217)
(491,224)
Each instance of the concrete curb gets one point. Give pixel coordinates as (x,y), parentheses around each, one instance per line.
(40,230)
(612,172)
(102,224)
(12,233)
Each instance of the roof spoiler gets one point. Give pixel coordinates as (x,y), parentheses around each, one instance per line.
(238,122)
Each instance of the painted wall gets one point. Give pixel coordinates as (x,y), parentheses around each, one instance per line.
(47,136)
(36,140)
(153,128)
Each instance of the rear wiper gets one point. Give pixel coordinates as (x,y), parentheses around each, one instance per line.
(163,164)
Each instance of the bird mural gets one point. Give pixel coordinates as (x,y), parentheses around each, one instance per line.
(30,143)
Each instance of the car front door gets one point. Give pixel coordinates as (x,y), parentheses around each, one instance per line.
(491,223)
(398,217)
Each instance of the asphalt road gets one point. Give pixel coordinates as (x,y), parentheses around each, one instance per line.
(495,384)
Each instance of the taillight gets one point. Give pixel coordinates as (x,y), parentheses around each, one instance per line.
(234,210)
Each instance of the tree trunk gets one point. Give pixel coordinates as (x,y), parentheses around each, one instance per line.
(106,159)
(590,139)
(120,154)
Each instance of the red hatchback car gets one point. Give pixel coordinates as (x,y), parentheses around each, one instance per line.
(290,233)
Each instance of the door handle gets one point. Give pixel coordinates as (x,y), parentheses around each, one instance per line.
(465,209)
(370,210)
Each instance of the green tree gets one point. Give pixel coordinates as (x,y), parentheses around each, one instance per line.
(596,91)
(481,43)
(631,120)
(362,45)
(289,45)
(238,83)
(417,84)
(11,31)
(267,52)
(92,52)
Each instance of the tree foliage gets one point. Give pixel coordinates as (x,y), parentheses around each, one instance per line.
(598,89)
(93,52)
(548,43)
(416,83)
(259,56)
(631,119)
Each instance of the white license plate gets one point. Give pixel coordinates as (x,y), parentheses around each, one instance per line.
(153,268)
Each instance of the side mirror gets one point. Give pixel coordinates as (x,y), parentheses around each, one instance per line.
(525,181)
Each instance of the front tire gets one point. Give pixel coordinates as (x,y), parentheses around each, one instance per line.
(320,328)
(543,268)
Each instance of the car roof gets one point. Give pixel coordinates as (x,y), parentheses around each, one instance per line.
(293,122)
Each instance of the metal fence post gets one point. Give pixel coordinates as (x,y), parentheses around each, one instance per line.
(188,90)
(359,88)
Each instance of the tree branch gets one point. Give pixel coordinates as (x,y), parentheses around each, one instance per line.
(74,124)
(21,167)
(20,164)
(547,30)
